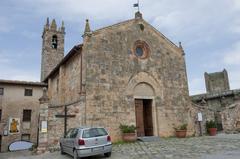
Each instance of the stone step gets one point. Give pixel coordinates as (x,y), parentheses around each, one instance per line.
(149,138)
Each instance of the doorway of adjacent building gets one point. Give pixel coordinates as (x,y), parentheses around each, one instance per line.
(144,120)
(218,119)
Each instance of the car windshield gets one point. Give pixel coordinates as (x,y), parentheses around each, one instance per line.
(94,132)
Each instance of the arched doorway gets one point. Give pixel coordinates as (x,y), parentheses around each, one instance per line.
(144,96)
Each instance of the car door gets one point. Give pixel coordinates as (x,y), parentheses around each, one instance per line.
(65,144)
(72,139)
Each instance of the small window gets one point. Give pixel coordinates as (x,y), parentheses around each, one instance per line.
(141,27)
(54,42)
(28,92)
(74,133)
(26,137)
(27,115)
(68,135)
(1,91)
(139,51)
(94,132)
(57,85)
(0,114)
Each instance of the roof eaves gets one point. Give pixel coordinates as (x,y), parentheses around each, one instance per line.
(16,82)
(110,26)
(126,21)
(161,34)
(72,52)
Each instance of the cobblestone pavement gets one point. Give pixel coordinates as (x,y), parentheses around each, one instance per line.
(219,147)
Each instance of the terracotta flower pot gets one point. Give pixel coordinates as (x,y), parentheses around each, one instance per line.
(129,137)
(212,131)
(181,133)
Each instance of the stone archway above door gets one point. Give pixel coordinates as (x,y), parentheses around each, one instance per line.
(142,78)
(143,90)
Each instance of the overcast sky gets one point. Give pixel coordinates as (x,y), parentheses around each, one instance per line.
(208,29)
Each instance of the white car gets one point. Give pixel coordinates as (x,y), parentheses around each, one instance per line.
(83,142)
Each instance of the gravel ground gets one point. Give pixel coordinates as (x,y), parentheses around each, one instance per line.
(219,147)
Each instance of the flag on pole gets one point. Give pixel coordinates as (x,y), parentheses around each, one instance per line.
(135,5)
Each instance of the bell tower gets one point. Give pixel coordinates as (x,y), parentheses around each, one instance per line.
(52,47)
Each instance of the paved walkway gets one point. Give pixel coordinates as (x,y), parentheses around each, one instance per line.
(219,147)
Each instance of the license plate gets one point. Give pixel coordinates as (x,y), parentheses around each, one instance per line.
(98,149)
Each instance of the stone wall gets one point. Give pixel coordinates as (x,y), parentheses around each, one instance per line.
(113,77)
(51,56)
(217,81)
(207,115)
(43,129)
(231,118)
(56,125)
(220,99)
(64,86)
(113,71)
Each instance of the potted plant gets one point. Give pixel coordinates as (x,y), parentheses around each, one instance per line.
(181,131)
(128,132)
(211,127)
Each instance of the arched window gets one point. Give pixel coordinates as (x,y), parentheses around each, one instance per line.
(54,42)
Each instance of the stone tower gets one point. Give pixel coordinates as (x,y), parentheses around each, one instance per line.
(52,47)
(217,82)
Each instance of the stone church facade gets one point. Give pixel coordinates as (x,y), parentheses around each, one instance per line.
(127,73)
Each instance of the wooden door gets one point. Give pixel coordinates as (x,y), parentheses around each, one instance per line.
(139,117)
(218,118)
(148,123)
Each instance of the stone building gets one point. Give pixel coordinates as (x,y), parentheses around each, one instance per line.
(52,47)
(19,101)
(220,100)
(127,73)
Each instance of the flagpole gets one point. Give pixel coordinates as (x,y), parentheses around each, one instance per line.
(138,6)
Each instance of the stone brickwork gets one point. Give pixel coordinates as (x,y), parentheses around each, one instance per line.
(231,118)
(52,48)
(217,81)
(43,117)
(100,80)
(207,115)
(49,141)
(219,99)
(113,72)
(64,87)
(56,125)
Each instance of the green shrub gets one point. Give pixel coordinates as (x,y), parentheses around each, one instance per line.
(211,124)
(127,128)
(181,127)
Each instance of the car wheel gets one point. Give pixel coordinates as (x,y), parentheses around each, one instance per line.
(61,150)
(75,155)
(108,154)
